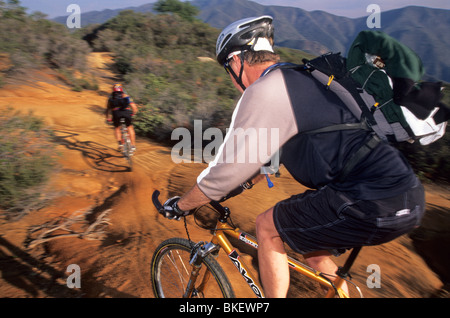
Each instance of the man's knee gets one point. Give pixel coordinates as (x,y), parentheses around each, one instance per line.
(319,259)
(261,221)
(265,225)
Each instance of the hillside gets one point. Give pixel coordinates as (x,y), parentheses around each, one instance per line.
(422,29)
(99,17)
(318,32)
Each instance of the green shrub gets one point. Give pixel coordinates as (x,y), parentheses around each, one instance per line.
(27,159)
(168,66)
(31,41)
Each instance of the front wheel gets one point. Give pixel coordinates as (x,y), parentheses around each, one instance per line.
(171,273)
(127,147)
(128,153)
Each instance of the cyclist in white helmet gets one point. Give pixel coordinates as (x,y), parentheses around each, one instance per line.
(253,34)
(378,200)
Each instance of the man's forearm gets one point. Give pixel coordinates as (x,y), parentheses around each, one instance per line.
(194,198)
(134,108)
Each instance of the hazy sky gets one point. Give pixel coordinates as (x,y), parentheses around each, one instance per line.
(349,8)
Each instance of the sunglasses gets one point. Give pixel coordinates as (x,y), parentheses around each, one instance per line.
(229,70)
(227,66)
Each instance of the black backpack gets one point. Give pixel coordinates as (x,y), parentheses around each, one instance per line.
(380,81)
(120,103)
(391,122)
(420,116)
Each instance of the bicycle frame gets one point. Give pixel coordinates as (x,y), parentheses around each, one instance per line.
(125,140)
(220,241)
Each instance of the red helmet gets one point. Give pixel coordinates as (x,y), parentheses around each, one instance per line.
(117,88)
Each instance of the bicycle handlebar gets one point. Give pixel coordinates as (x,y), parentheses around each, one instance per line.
(215,204)
(233,193)
(224,212)
(159,206)
(156,202)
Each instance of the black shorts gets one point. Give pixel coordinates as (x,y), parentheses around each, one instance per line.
(326,219)
(118,114)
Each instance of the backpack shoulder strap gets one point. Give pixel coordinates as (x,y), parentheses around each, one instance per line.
(281,65)
(330,70)
(358,156)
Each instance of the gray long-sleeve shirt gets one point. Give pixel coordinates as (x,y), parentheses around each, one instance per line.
(271,115)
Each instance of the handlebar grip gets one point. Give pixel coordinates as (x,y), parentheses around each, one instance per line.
(155,200)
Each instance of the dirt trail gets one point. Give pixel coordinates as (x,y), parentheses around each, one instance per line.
(94,176)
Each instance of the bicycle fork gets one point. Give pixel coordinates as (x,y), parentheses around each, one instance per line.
(199,252)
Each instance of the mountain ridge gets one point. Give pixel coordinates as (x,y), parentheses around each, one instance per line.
(422,29)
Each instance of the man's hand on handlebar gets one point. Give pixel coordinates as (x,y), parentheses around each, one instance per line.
(171,210)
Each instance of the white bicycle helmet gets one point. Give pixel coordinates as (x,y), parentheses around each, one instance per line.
(246,34)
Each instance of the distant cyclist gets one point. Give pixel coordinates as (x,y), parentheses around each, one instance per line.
(121,106)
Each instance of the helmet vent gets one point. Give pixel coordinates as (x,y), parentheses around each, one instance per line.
(225,40)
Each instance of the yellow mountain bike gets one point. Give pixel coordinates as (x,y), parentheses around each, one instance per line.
(183,269)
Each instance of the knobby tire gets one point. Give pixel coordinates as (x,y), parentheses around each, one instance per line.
(127,148)
(170,272)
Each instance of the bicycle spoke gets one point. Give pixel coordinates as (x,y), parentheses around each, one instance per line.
(172,258)
(171,274)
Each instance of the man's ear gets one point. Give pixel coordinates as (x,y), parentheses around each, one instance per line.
(237,59)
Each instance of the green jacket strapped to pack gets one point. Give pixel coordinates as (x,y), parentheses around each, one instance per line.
(378,76)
